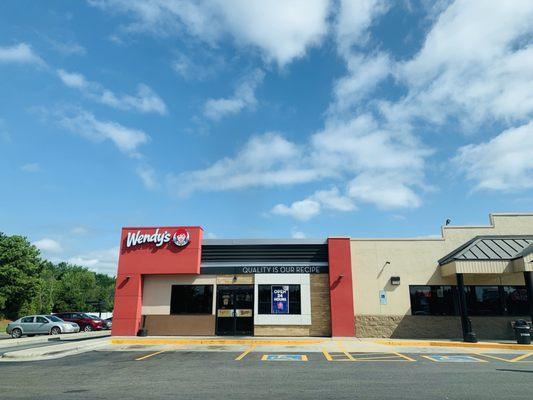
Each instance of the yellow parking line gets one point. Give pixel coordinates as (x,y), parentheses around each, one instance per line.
(512,360)
(343,350)
(327,355)
(149,355)
(404,356)
(521,357)
(494,357)
(245,353)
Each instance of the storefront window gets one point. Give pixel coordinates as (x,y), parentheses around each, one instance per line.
(432,300)
(265,299)
(480,300)
(516,300)
(191,299)
(483,300)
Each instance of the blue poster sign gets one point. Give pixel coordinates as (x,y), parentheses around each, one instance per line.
(280,299)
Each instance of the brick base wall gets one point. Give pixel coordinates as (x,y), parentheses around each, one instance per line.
(431,327)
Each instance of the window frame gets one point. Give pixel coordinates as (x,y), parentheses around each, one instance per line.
(293,304)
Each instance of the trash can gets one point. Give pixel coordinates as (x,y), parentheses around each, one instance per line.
(522,332)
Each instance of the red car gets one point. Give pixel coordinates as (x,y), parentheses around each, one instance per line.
(86,322)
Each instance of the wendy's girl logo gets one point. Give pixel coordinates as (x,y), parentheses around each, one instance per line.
(181,237)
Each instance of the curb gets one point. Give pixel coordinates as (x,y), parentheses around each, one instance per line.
(56,351)
(64,337)
(219,342)
(436,343)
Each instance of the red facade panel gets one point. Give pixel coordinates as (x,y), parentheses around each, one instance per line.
(341,288)
(146,251)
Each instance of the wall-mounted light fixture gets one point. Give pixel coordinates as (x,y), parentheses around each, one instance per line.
(395,280)
(234,279)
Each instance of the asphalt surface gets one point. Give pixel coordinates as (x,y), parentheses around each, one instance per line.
(216,375)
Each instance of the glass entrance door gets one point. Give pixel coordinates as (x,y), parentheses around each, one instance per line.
(235,310)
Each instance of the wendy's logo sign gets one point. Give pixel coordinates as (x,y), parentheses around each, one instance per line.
(180,238)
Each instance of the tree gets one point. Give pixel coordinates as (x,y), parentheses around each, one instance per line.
(20,266)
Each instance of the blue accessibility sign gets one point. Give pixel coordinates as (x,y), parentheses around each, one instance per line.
(284,357)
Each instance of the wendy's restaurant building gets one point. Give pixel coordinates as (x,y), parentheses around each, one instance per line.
(473,281)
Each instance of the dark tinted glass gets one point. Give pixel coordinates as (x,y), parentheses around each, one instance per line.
(516,300)
(484,300)
(27,319)
(41,320)
(265,299)
(432,300)
(191,299)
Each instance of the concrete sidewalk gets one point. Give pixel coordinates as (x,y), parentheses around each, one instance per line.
(55,351)
(52,338)
(307,344)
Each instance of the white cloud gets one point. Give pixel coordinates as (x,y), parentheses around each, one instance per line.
(353,20)
(72,79)
(243,97)
(265,160)
(503,163)
(79,230)
(385,190)
(21,53)
(85,124)
(31,167)
(102,261)
(313,205)
(333,200)
(68,48)
(148,176)
(364,74)
(48,245)
(145,101)
(296,234)
(475,66)
(281,29)
(302,210)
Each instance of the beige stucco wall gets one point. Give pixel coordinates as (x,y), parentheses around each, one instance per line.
(415,261)
(157,290)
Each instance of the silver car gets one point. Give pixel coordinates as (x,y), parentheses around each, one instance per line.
(40,324)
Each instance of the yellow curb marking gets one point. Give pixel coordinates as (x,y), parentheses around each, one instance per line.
(150,355)
(219,342)
(245,353)
(327,355)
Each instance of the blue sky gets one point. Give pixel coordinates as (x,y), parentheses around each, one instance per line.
(260,119)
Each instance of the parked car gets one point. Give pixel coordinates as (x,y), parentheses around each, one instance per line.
(86,322)
(107,322)
(40,324)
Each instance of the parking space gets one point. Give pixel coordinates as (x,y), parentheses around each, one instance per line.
(163,371)
(254,354)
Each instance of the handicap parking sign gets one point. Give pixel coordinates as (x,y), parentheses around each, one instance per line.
(284,357)
(455,358)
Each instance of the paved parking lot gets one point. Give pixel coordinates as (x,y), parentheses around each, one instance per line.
(173,373)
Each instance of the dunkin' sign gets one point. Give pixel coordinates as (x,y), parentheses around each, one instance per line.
(180,238)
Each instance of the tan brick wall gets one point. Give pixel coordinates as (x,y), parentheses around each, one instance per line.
(320,306)
(320,314)
(431,327)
